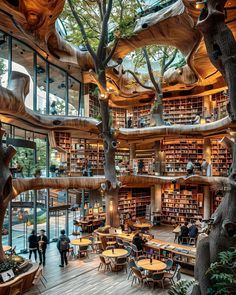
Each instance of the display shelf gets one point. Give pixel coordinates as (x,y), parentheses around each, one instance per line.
(221,100)
(140,112)
(182,110)
(134,201)
(118,118)
(178,152)
(180,203)
(221,158)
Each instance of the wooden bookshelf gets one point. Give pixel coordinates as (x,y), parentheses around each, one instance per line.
(137,112)
(134,201)
(178,152)
(221,100)
(181,203)
(221,158)
(182,110)
(118,118)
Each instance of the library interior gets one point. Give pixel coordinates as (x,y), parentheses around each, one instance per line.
(117,147)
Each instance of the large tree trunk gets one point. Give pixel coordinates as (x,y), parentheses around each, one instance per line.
(6,188)
(110,145)
(221,47)
(157,115)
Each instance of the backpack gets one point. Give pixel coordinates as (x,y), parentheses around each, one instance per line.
(64,245)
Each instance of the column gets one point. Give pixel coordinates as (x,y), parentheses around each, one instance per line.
(207,154)
(132,150)
(159,158)
(207,202)
(156,198)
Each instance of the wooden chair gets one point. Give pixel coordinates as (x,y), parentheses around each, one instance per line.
(83,250)
(106,264)
(184,240)
(192,241)
(170,276)
(169,262)
(135,251)
(119,243)
(132,264)
(16,288)
(121,262)
(157,277)
(110,247)
(137,275)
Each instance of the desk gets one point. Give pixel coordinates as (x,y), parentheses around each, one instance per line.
(156,265)
(142,225)
(117,253)
(81,242)
(6,248)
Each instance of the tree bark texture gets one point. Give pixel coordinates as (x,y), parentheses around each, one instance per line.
(6,188)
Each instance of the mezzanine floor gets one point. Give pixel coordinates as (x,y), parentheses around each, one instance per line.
(82,277)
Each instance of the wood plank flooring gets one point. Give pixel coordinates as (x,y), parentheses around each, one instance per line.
(82,277)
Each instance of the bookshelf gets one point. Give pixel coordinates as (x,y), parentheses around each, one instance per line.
(182,110)
(181,203)
(134,201)
(140,111)
(221,100)
(178,152)
(118,118)
(221,159)
(94,106)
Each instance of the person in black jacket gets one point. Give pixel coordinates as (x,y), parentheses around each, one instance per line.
(42,246)
(33,245)
(184,231)
(138,241)
(63,246)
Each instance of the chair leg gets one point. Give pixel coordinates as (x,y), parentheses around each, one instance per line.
(162,284)
(132,281)
(42,283)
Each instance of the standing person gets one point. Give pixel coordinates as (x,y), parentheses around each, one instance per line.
(197,119)
(138,241)
(53,108)
(129,122)
(63,246)
(142,122)
(33,245)
(42,246)
(190,167)
(140,166)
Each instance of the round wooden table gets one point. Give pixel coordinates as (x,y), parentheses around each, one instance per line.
(81,242)
(6,248)
(156,265)
(117,253)
(142,225)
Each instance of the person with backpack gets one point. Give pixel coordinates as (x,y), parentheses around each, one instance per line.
(63,246)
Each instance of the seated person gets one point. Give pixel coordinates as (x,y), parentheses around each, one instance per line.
(193,230)
(138,241)
(190,167)
(184,231)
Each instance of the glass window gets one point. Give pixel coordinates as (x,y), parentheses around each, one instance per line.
(41,86)
(3,59)
(74,94)
(57,92)
(22,61)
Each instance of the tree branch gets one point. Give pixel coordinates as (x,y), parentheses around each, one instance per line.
(109,57)
(170,61)
(137,80)
(85,37)
(150,71)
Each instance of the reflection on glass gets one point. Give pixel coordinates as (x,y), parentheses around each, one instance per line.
(57,92)
(22,61)
(74,91)
(3,59)
(41,86)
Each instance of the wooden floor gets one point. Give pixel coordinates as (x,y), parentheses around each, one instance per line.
(82,277)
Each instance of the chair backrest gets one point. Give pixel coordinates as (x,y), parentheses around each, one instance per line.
(134,247)
(83,248)
(136,272)
(110,247)
(177,272)
(102,259)
(169,263)
(126,244)
(16,288)
(129,249)
(157,276)
(119,241)
(121,260)
(132,263)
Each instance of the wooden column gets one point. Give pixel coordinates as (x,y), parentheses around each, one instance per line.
(132,151)
(158,158)
(206,189)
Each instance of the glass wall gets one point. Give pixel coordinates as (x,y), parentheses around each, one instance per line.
(52,91)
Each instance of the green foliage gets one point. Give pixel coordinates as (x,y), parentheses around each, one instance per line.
(2,67)
(223,274)
(7,264)
(182,287)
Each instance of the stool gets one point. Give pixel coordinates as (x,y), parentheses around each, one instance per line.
(192,241)
(184,240)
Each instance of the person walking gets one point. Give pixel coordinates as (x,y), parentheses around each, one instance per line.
(33,245)
(63,246)
(42,246)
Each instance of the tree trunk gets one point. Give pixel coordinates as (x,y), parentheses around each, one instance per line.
(110,145)
(157,115)
(2,215)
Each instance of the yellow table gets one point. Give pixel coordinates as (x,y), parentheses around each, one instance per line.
(117,253)
(6,248)
(81,242)
(156,265)
(142,225)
